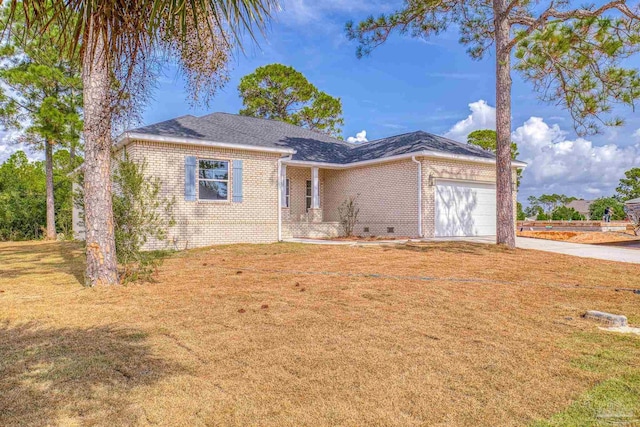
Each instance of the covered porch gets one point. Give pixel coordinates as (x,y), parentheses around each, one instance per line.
(307,209)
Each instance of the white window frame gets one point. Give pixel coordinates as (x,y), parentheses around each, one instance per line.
(287,193)
(308,191)
(227,181)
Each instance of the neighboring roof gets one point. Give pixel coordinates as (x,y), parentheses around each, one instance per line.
(632,201)
(309,146)
(580,205)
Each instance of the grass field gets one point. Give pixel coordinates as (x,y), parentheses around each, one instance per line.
(442,334)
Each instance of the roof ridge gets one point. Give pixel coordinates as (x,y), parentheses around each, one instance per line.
(392,136)
(230,128)
(310,131)
(174,119)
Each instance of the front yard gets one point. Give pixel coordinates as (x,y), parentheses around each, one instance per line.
(292,335)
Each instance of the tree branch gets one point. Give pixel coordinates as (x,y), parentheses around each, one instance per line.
(533,24)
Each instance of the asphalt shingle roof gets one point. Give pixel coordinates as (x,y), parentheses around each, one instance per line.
(309,145)
(581,206)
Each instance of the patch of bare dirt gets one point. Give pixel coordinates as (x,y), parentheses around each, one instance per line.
(581,236)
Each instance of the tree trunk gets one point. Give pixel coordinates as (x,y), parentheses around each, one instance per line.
(505,227)
(51,211)
(101,251)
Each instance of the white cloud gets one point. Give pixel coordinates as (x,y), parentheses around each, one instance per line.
(573,167)
(359,138)
(556,164)
(483,116)
(304,12)
(9,144)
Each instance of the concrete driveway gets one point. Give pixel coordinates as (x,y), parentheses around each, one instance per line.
(610,253)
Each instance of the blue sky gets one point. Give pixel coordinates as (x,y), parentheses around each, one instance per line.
(410,84)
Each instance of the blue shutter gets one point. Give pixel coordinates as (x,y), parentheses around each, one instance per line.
(237,181)
(190,178)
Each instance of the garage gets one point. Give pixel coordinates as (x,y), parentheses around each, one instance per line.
(465,208)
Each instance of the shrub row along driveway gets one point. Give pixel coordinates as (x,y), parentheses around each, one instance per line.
(287,334)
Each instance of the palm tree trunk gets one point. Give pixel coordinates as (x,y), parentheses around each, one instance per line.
(101,251)
(505,227)
(51,211)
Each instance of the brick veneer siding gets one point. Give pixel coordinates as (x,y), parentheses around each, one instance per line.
(433,169)
(202,223)
(298,177)
(387,197)
(311,230)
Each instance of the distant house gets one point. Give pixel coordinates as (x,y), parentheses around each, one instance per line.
(582,206)
(632,208)
(244,179)
(633,202)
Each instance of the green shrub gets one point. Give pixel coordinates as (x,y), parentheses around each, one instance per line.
(542,217)
(596,210)
(140,213)
(565,213)
(521,216)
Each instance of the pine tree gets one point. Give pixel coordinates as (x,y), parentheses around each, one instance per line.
(573,56)
(42,96)
(121,45)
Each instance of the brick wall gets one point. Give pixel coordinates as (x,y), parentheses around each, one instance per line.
(202,223)
(311,230)
(387,197)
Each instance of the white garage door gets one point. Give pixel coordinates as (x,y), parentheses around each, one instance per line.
(465,209)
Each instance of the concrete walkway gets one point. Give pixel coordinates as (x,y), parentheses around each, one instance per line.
(610,253)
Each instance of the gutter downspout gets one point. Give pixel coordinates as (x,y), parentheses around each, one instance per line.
(413,159)
(279,181)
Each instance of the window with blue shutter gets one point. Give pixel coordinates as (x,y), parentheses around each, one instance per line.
(237,181)
(190,178)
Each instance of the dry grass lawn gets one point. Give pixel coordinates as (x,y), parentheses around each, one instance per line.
(449,334)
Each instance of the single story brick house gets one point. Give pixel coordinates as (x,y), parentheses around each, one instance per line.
(243,179)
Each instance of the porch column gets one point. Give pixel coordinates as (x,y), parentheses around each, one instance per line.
(315,213)
(315,189)
(283,193)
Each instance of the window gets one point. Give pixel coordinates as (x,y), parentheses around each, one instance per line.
(309,195)
(213,180)
(287,193)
